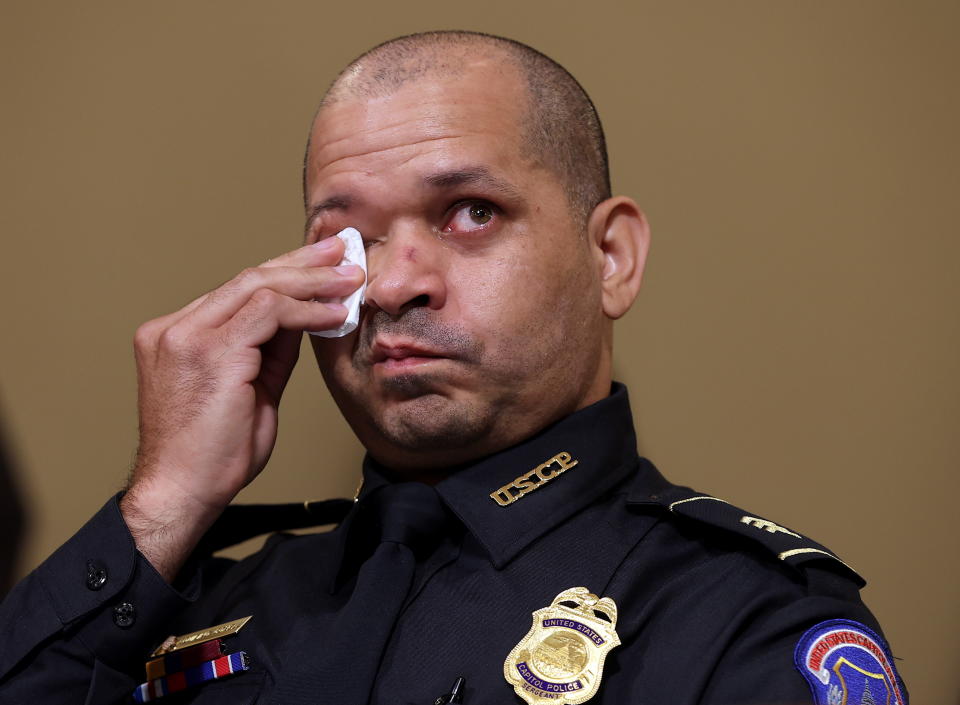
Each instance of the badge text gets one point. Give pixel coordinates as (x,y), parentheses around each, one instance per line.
(544,685)
(575,626)
(528,482)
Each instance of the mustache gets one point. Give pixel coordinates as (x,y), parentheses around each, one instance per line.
(421,325)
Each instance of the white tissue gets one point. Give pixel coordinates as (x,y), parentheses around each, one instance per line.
(353,254)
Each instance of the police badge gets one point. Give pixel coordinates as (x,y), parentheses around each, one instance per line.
(560,660)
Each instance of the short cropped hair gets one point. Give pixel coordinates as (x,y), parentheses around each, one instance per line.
(561,128)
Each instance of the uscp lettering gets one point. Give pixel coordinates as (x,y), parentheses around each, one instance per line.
(528,482)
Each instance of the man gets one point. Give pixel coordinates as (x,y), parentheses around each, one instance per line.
(501,485)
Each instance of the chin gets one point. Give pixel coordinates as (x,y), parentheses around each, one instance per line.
(410,387)
(434,422)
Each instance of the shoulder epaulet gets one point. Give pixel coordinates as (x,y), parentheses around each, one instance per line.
(786,545)
(240,522)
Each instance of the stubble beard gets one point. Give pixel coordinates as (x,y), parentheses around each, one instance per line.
(422,410)
(426,420)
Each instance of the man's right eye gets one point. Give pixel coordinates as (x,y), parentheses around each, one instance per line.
(470,216)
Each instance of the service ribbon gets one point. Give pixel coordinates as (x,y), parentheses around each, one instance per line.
(181,680)
(182,660)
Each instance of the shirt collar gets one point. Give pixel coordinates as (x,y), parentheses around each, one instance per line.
(541,481)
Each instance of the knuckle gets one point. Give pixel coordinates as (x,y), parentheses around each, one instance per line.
(248,276)
(145,336)
(177,337)
(264,298)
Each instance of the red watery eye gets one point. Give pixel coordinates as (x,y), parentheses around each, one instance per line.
(470,216)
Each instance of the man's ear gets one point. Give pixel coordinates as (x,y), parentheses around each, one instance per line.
(620,238)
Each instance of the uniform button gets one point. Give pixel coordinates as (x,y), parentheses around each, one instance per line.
(124,615)
(96,575)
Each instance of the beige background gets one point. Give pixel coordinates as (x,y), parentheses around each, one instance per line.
(795,349)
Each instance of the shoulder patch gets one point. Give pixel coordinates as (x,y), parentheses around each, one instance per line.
(788,546)
(846,663)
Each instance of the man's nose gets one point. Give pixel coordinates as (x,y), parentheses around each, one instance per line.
(405,270)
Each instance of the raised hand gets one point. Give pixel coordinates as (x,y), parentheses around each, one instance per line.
(210,379)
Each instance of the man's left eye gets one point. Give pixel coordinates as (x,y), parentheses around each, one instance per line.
(469,216)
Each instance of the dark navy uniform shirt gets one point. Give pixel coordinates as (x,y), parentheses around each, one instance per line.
(712,601)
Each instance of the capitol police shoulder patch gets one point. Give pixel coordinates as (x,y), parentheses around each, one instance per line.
(846,663)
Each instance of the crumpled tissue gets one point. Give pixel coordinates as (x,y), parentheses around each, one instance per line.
(353,254)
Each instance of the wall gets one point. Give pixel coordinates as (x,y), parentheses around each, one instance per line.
(795,346)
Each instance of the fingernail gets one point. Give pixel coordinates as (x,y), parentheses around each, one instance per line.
(347,270)
(326,243)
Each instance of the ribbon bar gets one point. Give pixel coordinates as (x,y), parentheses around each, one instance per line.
(181,680)
(182,660)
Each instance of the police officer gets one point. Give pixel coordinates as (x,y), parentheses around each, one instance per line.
(508,544)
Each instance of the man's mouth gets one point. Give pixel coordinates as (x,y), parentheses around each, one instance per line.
(397,355)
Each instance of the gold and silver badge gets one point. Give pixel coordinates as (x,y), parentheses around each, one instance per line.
(560,660)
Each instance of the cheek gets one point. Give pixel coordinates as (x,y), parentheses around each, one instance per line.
(490,296)
(333,356)
(528,297)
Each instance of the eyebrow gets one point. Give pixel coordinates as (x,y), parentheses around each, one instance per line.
(473,176)
(334,203)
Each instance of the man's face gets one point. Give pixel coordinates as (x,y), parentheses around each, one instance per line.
(483,320)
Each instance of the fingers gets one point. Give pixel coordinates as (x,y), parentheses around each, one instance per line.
(305,273)
(267,312)
(295,282)
(325,253)
(322,253)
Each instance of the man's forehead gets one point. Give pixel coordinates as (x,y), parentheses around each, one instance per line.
(466,108)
